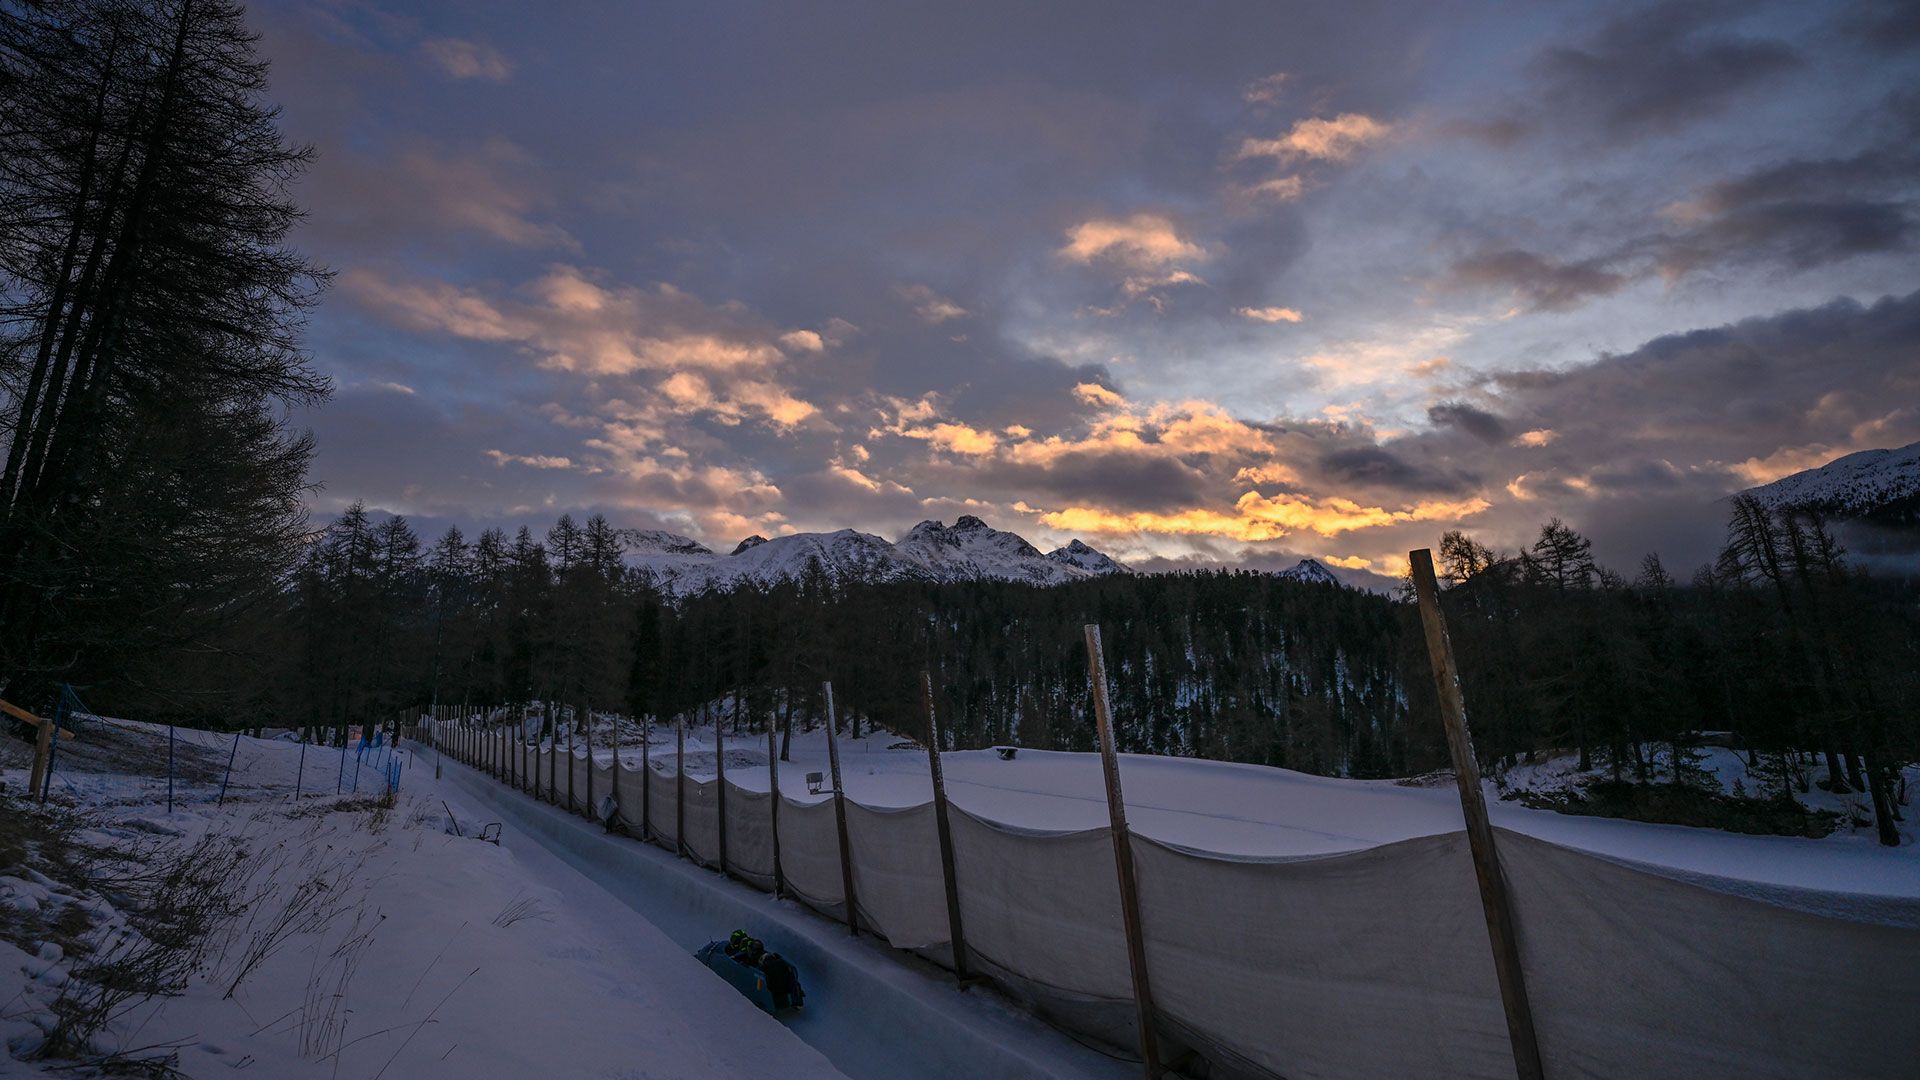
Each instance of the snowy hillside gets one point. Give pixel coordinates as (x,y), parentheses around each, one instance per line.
(967,550)
(1855,485)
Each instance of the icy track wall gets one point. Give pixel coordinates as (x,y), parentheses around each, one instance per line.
(1370,963)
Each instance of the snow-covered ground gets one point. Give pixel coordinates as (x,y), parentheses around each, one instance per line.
(417,954)
(597,977)
(1262,812)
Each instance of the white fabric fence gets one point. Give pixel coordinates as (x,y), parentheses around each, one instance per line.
(1368,963)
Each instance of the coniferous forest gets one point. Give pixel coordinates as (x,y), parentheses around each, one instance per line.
(1778,649)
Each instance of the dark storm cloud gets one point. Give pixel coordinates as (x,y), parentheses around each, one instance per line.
(1804,212)
(1886,25)
(1657,68)
(1799,235)
(1540,284)
(1120,482)
(1479,423)
(1374,466)
(1789,215)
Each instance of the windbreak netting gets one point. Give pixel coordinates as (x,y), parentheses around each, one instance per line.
(750,836)
(897,882)
(1041,913)
(810,856)
(580,794)
(1368,963)
(703,821)
(1634,972)
(1372,963)
(661,806)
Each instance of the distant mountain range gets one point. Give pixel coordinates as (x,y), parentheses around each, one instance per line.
(1876,485)
(967,550)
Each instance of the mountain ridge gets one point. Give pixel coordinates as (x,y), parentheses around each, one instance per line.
(1866,484)
(967,550)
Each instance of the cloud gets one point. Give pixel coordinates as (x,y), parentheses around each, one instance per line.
(1479,423)
(1269,314)
(432,306)
(1540,284)
(669,353)
(531,461)
(1796,234)
(1143,240)
(1256,517)
(1266,89)
(1655,69)
(1381,467)
(1280,188)
(929,305)
(954,438)
(496,190)
(1796,215)
(1147,284)
(1095,394)
(803,341)
(1537,437)
(1319,139)
(464,59)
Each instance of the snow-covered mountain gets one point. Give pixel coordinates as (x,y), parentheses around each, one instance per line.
(967,550)
(1858,485)
(1309,571)
(1086,558)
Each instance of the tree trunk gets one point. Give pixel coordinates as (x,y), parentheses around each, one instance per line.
(786,728)
(1882,804)
(1836,783)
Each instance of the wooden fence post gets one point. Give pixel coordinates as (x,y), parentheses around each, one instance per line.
(42,747)
(572,731)
(840,815)
(720,790)
(934,744)
(1123,857)
(593,811)
(773,808)
(615,773)
(1486,859)
(646,776)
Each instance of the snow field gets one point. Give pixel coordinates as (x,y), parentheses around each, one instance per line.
(423,954)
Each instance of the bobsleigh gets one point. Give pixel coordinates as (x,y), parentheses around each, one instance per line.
(774,985)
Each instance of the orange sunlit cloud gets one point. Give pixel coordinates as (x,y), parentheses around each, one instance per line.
(1257,517)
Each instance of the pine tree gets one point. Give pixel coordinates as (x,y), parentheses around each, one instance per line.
(149,338)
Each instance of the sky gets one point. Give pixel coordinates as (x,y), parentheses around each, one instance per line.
(1195,283)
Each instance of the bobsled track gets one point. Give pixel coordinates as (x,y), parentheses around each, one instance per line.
(872,1011)
(1361,963)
